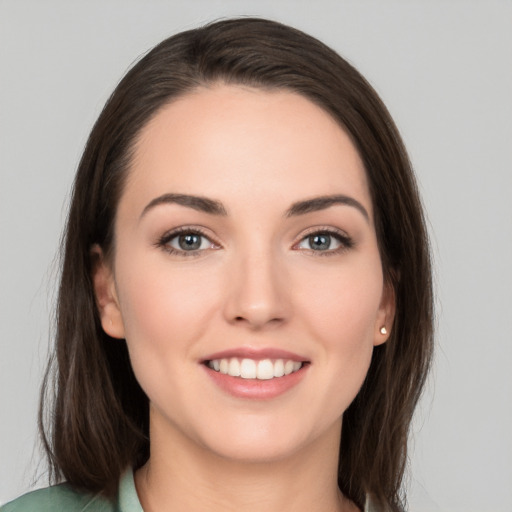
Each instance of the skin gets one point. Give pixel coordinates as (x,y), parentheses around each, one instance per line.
(255,282)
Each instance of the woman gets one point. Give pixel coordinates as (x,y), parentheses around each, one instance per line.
(245,309)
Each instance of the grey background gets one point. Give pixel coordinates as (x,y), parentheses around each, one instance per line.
(444,68)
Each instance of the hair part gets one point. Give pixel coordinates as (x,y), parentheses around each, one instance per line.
(99,421)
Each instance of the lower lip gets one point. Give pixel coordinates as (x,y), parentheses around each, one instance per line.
(256,389)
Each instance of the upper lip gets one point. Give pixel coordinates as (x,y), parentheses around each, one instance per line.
(255,353)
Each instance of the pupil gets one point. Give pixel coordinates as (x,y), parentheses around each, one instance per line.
(320,242)
(189,242)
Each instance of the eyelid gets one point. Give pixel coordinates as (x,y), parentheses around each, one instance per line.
(163,241)
(343,238)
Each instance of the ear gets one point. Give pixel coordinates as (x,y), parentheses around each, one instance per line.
(385,314)
(106,294)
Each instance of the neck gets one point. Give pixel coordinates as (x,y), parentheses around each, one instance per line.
(183,476)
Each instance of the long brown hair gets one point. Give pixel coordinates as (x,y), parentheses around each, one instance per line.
(94,419)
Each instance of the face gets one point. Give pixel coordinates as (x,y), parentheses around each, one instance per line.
(246,276)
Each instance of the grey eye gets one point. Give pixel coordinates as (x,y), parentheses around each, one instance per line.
(324,241)
(319,242)
(188,242)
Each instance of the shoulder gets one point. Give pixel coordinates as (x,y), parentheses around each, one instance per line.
(58,497)
(64,498)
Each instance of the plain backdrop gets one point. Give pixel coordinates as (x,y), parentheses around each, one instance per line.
(444,68)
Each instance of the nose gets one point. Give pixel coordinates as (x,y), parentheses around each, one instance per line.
(257,293)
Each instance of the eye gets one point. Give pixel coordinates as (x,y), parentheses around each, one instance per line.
(325,242)
(189,242)
(186,242)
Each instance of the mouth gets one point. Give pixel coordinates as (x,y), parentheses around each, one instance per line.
(246,368)
(250,373)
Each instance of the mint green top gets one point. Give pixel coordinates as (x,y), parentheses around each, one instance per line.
(63,498)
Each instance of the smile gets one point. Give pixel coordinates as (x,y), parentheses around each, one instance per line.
(264,369)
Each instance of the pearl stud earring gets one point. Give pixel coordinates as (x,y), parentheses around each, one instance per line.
(383,330)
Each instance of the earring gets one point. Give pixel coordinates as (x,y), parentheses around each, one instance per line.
(383,330)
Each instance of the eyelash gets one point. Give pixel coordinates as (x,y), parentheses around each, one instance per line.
(164,240)
(344,240)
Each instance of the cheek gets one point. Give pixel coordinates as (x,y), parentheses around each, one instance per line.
(341,313)
(164,309)
(165,312)
(344,303)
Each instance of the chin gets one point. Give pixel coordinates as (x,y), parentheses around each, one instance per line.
(254,440)
(257,451)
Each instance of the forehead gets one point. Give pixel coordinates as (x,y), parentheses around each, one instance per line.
(233,142)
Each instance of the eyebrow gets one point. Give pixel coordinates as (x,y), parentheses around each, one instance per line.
(202,204)
(213,207)
(321,203)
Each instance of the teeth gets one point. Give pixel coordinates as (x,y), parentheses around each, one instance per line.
(224,366)
(265,369)
(248,369)
(234,367)
(288,367)
(279,368)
